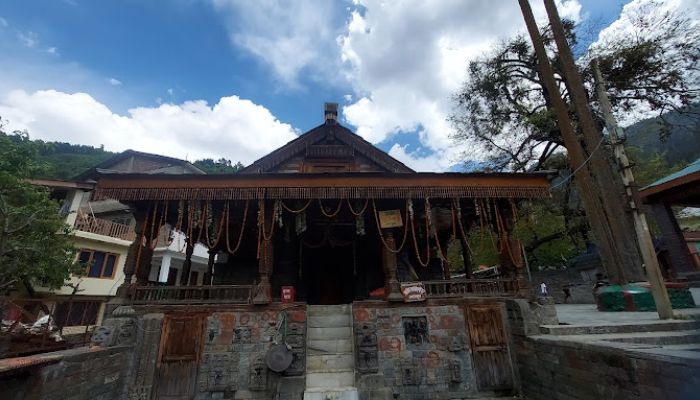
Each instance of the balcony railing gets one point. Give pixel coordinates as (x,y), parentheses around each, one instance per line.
(105,228)
(480,287)
(214,294)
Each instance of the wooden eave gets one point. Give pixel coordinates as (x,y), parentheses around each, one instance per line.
(684,190)
(137,187)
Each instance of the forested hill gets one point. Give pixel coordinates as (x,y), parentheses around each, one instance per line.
(64,161)
(680,145)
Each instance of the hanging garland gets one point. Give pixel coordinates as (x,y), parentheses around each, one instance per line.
(337,210)
(437,239)
(456,205)
(357,214)
(211,245)
(415,239)
(301,210)
(240,234)
(381,235)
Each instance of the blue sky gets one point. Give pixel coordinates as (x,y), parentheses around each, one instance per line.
(236,79)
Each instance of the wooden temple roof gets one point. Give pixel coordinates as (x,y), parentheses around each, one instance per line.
(136,187)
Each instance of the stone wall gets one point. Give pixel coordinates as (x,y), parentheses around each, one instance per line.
(555,369)
(82,373)
(235,345)
(410,351)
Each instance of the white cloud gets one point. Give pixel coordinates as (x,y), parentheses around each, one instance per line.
(28,39)
(234,128)
(407,59)
(170,91)
(290,37)
(114,82)
(52,50)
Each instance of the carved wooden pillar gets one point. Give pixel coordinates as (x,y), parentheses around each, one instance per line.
(393,289)
(133,253)
(263,290)
(187,265)
(210,268)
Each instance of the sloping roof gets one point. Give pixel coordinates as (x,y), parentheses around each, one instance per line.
(687,179)
(106,167)
(328,129)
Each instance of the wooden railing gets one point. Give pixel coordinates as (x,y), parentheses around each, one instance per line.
(479,287)
(214,294)
(104,227)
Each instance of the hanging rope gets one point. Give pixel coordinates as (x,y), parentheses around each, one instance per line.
(381,236)
(150,241)
(336,212)
(141,244)
(505,240)
(415,239)
(240,234)
(169,237)
(357,214)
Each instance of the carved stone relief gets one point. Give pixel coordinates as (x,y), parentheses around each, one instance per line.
(367,359)
(455,371)
(415,331)
(411,373)
(102,336)
(258,375)
(147,345)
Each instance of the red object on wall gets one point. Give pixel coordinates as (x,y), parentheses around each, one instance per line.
(288,293)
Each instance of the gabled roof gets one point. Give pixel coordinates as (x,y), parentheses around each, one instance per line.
(329,129)
(162,165)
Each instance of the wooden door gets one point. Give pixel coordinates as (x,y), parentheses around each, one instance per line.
(180,348)
(492,362)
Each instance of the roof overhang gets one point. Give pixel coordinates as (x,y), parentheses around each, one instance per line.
(137,187)
(682,191)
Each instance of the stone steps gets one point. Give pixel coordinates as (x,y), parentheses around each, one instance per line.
(330,365)
(660,326)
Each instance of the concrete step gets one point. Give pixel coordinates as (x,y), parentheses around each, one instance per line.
(343,332)
(660,338)
(325,362)
(330,321)
(660,326)
(329,346)
(330,380)
(349,393)
(340,309)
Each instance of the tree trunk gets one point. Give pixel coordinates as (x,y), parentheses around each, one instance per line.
(589,194)
(625,248)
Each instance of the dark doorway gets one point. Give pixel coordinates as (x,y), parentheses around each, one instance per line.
(329,274)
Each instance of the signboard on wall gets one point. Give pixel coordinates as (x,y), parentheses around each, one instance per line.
(390,219)
(413,291)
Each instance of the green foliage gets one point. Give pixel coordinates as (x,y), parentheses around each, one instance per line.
(34,243)
(220,166)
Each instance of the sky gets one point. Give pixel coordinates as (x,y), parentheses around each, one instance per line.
(236,79)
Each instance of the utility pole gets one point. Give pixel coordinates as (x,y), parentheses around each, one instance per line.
(658,289)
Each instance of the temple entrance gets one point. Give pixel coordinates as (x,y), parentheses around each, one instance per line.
(328,274)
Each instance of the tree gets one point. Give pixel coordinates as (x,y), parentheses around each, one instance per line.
(503,110)
(220,166)
(35,247)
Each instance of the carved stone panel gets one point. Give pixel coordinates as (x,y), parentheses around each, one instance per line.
(415,331)
(102,336)
(367,359)
(411,373)
(455,371)
(258,375)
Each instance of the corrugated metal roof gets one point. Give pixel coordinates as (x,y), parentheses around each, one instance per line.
(690,169)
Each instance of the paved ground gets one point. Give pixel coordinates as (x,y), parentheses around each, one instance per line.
(586,314)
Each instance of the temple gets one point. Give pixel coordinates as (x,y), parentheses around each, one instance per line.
(328,275)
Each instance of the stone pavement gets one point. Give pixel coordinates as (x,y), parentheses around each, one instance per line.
(586,314)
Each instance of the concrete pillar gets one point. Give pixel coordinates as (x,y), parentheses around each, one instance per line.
(164,268)
(75,199)
(678,253)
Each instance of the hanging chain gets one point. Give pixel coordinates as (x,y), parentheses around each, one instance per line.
(299,211)
(336,212)
(415,239)
(357,214)
(240,234)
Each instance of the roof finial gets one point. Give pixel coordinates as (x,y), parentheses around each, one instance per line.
(330,111)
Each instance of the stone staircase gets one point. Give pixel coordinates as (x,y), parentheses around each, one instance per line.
(330,366)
